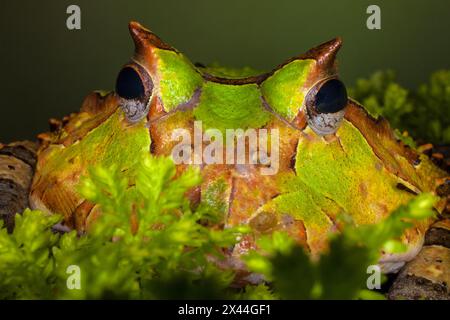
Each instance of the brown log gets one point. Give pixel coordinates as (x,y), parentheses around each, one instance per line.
(427,276)
(17,163)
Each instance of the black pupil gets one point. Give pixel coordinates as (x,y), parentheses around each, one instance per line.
(129,85)
(332,97)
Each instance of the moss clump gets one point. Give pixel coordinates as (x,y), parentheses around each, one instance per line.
(423,112)
(148,244)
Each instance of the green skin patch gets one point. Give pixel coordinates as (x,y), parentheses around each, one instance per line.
(213,198)
(347,171)
(103,146)
(333,178)
(313,209)
(178,79)
(230,106)
(225,106)
(284,90)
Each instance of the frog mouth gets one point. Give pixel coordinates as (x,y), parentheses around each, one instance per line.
(404,187)
(392,263)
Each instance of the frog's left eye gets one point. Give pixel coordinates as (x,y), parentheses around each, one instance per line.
(129,84)
(325,106)
(134,86)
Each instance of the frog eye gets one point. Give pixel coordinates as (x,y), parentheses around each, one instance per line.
(134,87)
(332,97)
(129,84)
(325,106)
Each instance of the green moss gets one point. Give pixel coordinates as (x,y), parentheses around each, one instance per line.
(178,78)
(168,255)
(422,112)
(228,106)
(283,90)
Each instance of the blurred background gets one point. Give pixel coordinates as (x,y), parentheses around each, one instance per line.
(47,70)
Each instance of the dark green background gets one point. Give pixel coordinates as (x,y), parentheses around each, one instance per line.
(46,70)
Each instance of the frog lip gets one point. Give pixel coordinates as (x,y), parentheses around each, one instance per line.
(326,123)
(134,110)
(393,262)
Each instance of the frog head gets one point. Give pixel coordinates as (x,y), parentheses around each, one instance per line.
(332,157)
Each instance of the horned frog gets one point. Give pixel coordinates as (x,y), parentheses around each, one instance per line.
(333,157)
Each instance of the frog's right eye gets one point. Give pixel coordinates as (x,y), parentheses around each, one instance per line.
(325,106)
(331,97)
(134,86)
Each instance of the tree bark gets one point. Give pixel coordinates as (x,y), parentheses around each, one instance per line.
(427,276)
(17,164)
